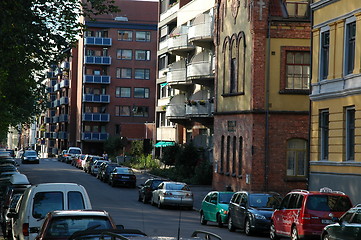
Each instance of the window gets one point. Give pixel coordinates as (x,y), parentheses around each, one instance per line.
(141,73)
(124,54)
(140,111)
(222,156)
(350,47)
(350,134)
(142,36)
(75,200)
(123,92)
(296,157)
(124,73)
(234,154)
(324,58)
(240,156)
(142,55)
(228,153)
(324,129)
(125,35)
(45,202)
(117,129)
(297,70)
(141,92)
(233,83)
(122,111)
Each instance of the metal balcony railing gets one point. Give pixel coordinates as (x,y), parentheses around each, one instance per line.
(96,98)
(96,117)
(94,136)
(99,41)
(101,79)
(102,60)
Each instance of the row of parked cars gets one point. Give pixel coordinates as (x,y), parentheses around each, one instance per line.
(301,214)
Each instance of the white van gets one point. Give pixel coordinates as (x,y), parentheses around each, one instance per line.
(40,199)
(71,153)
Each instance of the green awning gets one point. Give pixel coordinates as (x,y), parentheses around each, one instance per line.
(164,144)
(163,84)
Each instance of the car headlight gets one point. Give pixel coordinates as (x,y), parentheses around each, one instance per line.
(258,216)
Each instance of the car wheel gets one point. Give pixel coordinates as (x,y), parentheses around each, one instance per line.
(325,237)
(272,232)
(112,183)
(160,205)
(202,219)
(219,221)
(152,201)
(247,227)
(294,234)
(144,200)
(231,228)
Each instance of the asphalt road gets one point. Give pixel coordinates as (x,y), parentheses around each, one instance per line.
(123,206)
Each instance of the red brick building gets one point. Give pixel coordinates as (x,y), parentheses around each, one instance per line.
(262,87)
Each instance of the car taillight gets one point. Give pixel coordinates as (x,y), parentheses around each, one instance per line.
(26,229)
(167,194)
(132,177)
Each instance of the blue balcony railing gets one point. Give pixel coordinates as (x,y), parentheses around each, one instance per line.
(55,119)
(96,117)
(56,87)
(103,60)
(64,83)
(99,41)
(56,103)
(94,136)
(64,100)
(96,98)
(63,118)
(97,79)
(62,135)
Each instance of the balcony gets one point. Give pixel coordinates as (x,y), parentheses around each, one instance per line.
(94,136)
(98,41)
(62,135)
(176,111)
(56,103)
(54,135)
(102,60)
(96,98)
(201,32)
(55,119)
(56,87)
(64,100)
(177,76)
(47,135)
(51,74)
(200,69)
(199,108)
(48,120)
(63,118)
(49,89)
(96,117)
(178,44)
(64,83)
(100,79)
(65,65)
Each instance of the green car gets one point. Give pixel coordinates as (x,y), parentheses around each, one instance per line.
(348,227)
(215,207)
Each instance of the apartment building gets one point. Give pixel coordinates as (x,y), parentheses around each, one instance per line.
(261,95)
(185,82)
(335,139)
(110,88)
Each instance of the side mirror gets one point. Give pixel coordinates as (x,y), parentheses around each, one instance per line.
(243,205)
(12,215)
(120,226)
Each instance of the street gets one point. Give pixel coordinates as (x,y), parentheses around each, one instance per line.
(122,203)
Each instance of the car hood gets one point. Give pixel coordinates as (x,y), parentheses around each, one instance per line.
(224,206)
(267,212)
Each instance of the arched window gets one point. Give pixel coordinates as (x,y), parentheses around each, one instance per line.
(222,156)
(296,157)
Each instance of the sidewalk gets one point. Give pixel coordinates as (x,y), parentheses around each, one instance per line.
(199,192)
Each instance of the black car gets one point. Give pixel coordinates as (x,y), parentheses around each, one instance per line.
(122,176)
(146,189)
(106,169)
(252,211)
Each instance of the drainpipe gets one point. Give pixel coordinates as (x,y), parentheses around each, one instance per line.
(266,140)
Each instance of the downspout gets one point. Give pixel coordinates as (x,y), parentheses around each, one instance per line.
(266,139)
(310,107)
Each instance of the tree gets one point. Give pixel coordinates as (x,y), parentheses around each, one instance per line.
(33,35)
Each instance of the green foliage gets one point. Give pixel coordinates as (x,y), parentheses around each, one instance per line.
(114,145)
(33,35)
(136,148)
(143,162)
(169,154)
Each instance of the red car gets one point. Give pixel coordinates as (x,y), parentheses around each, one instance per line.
(304,214)
(62,224)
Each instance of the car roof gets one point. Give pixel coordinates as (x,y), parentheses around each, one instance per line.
(64,213)
(327,191)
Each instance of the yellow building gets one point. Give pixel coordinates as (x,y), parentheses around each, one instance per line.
(335,136)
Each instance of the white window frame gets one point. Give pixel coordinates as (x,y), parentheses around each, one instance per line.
(320,73)
(350,126)
(345,50)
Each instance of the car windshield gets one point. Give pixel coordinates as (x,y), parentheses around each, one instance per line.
(225,197)
(30,154)
(263,200)
(327,203)
(175,186)
(74,151)
(66,226)
(124,171)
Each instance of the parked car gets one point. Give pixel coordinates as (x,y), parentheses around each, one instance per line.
(30,156)
(7,159)
(95,167)
(107,234)
(173,194)
(145,190)
(88,162)
(347,227)
(79,160)
(71,153)
(122,176)
(303,214)
(62,224)
(62,156)
(214,207)
(252,211)
(8,222)
(11,152)
(107,168)
(40,199)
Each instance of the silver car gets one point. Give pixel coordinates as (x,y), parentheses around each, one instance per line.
(172,194)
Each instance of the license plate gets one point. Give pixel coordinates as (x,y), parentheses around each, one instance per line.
(326,221)
(126,177)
